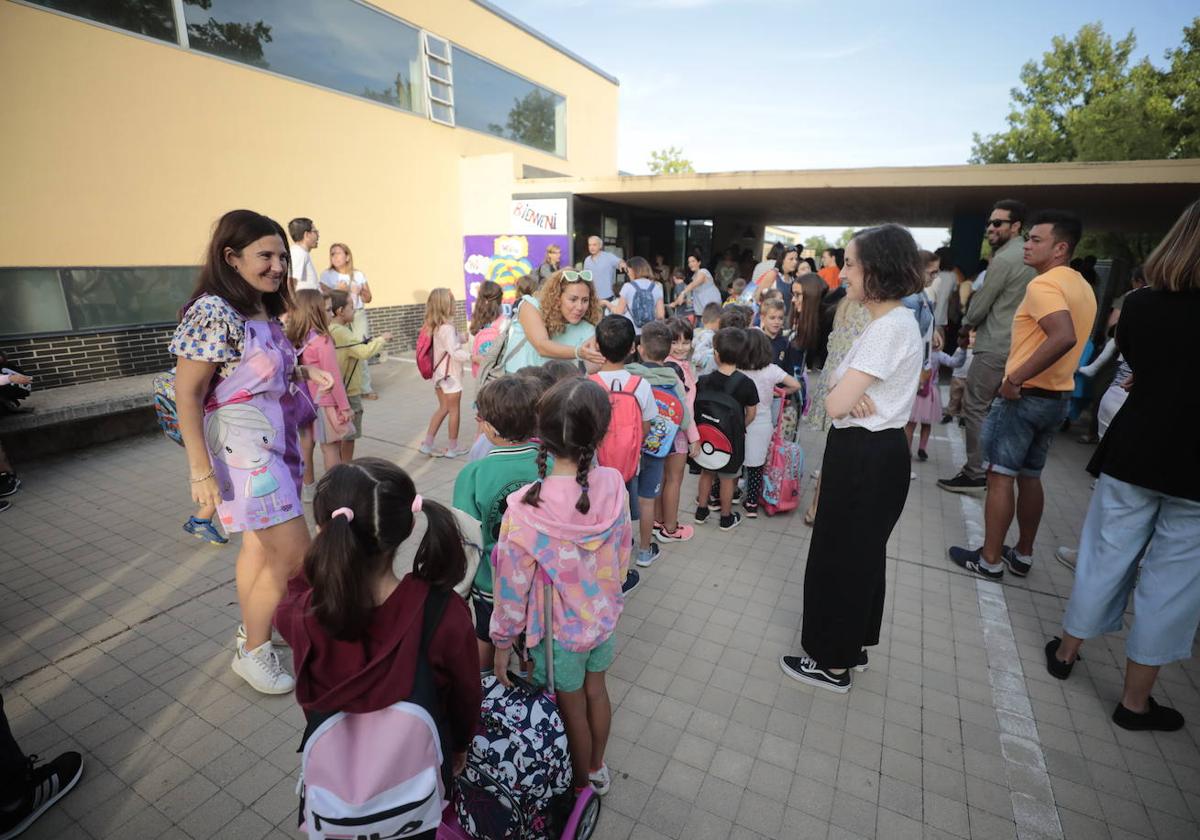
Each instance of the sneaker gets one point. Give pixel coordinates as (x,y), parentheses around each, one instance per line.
(601,780)
(5,504)
(1156,718)
(682,533)
(693,469)
(9,484)
(260,667)
(276,639)
(962,422)
(427,449)
(946,418)
(1015,563)
(1066,556)
(701,515)
(647,556)
(455,452)
(632,581)
(805,670)
(922,455)
(714,504)
(204,529)
(45,785)
(961,484)
(751,510)
(728,523)
(972,561)
(863,663)
(737,495)
(912,476)
(308,492)
(1057,668)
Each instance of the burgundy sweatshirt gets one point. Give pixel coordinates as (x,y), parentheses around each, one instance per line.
(378,670)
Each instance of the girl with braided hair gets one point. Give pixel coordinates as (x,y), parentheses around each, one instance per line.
(573,524)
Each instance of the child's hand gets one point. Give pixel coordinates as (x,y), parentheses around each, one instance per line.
(387,336)
(458,763)
(20,379)
(323,378)
(500,666)
(694,449)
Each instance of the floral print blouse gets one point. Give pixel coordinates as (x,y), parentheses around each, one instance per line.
(211,331)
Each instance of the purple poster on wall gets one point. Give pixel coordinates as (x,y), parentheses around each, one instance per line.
(503,258)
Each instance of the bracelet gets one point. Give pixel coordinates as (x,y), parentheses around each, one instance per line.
(211,472)
(577,346)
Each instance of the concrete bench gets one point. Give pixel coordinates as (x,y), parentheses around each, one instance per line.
(73,403)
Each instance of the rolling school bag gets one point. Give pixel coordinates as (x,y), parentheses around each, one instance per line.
(784,469)
(381,773)
(517,782)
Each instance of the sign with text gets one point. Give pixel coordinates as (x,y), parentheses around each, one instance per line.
(539,215)
(503,259)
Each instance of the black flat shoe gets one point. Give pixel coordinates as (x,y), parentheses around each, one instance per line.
(1057,668)
(1156,718)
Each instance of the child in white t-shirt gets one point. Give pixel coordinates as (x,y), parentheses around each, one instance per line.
(766,378)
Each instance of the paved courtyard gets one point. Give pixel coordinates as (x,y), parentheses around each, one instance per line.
(118,631)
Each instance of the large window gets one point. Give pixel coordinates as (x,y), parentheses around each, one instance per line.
(491,99)
(60,300)
(340,44)
(154,18)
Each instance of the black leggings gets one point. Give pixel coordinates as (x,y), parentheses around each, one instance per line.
(864,484)
(754,476)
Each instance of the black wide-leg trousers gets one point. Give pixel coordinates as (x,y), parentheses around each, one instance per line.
(864,484)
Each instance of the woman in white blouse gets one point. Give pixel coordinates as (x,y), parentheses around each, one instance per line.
(864,474)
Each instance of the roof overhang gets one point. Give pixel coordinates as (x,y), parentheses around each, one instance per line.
(1124,195)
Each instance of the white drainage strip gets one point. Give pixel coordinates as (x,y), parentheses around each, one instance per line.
(1024,763)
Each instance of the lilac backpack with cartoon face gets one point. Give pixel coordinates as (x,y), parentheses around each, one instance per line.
(382,773)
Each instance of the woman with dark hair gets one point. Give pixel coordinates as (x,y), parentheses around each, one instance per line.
(1143,523)
(865,469)
(807,291)
(781,277)
(240,409)
(701,288)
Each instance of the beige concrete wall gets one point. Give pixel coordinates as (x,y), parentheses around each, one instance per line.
(123,151)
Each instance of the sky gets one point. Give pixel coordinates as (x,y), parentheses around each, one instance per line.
(797,84)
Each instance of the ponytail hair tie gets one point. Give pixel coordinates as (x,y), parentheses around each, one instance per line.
(344,512)
(416,505)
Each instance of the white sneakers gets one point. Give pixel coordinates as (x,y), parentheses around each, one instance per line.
(276,639)
(601,780)
(260,667)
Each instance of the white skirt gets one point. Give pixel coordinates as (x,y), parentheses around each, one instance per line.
(758,438)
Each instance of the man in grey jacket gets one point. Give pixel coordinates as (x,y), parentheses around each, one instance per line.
(990,313)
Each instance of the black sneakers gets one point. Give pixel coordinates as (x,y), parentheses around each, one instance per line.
(9,484)
(632,581)
(805,670)
(863,663)
(45,785)
(701,515)
(1156,718)
(1015,564)
(922,455)
(728,523)
(1057,668)
(961,484)
(972,561)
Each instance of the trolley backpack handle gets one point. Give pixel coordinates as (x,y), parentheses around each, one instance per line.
(548,625)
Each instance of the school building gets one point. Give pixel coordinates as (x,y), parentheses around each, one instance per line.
(404,129)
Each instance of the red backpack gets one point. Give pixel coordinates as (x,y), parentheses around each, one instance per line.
(425,363)
(621,448)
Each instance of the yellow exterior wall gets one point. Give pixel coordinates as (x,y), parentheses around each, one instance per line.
(123,151)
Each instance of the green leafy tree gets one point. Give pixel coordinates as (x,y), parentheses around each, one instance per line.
(240,41)
(844,239)
(669,161)
(817,244)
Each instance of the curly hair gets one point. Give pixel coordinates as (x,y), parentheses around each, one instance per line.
(549,298)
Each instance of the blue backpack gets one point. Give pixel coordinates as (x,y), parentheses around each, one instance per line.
(641,309)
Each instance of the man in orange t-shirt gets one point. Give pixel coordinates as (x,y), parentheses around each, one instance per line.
(1049,331)
(831,267)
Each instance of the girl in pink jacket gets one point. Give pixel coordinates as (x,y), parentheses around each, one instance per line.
(572,525)
(308,331)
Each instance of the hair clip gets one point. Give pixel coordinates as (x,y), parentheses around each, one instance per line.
(344,512)
(417,502)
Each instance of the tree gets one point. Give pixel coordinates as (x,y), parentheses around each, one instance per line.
(817,244)
(844,239)
(669,161)
(240,41)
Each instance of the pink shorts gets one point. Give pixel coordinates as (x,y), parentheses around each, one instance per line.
(681,443)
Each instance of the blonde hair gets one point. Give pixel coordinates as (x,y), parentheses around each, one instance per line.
(234,416)
(439,309)
(349,258)
(550,300)
(1174,265)
(306,316)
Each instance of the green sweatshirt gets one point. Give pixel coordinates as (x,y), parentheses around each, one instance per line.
(482,490)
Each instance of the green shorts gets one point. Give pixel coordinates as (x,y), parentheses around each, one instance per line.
(356,405)
(570,666)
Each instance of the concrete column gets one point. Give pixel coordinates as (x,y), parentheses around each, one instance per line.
(966,236)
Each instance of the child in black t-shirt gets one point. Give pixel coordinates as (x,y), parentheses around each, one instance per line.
(729,349)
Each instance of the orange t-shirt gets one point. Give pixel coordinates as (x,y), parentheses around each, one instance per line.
(1059,289)
(830,274)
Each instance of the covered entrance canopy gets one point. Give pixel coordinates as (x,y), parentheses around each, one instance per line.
(1129,196)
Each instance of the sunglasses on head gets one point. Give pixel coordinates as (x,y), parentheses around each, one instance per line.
(997,222)
(571,276)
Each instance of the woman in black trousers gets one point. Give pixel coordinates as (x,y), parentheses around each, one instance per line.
(865,472)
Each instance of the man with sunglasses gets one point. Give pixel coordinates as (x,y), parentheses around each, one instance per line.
(990,312)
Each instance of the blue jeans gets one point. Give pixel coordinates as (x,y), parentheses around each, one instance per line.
(647,484)
(1017,434)
(1121,520)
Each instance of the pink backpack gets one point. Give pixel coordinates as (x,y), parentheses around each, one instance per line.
(621,448)
(382,773)
(784,469)
(484,339)
(425,364)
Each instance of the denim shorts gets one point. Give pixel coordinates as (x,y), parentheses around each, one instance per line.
(1017,433)
(1128,525)
(647,484)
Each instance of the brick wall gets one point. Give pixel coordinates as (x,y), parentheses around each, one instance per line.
(91,357)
